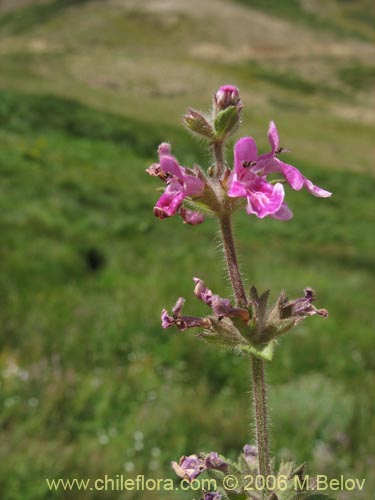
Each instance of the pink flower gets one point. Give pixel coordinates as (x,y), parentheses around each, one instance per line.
(180,182)
(263,198)
(249,178)
(270,163)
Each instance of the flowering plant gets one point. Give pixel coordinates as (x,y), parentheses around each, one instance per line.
(249,327)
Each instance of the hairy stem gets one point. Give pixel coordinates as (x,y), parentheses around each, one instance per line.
(259,386)
(219,158)
(231,260)
(261,417)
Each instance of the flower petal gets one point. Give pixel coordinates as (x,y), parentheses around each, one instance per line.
(170,201)
(316,190)
(189,467)
(273,137)
(227,95)
(292,175)
(213,461)
(170,165)
(284,213)
(222,308)
(202,292)
(178,306)
(263,198)
(166,320)
(237,189)
(193,186)
(191,217)
(245,150)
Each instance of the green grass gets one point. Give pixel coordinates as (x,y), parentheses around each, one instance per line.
(358,76)
(344,18)
(85,267)
(18,21)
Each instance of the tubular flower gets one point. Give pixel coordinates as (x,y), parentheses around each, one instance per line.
(182,322)
(189,467)
(301,308)
(192,466)
(249,178)
(180,183)
(263,199)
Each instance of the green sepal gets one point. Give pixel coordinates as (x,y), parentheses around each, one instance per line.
(288,490)
(199,206)
(226,122)
(198,124)
(278,327)
(219,476)
(246,467)
(223,332)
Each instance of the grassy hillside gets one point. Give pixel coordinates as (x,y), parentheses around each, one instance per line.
(90,384)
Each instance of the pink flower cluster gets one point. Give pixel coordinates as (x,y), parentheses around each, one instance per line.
(248,179)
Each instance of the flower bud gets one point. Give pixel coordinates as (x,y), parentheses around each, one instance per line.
(227,111)
(197,123)
(227,95)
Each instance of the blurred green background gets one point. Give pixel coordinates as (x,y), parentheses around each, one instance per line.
(90,383)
